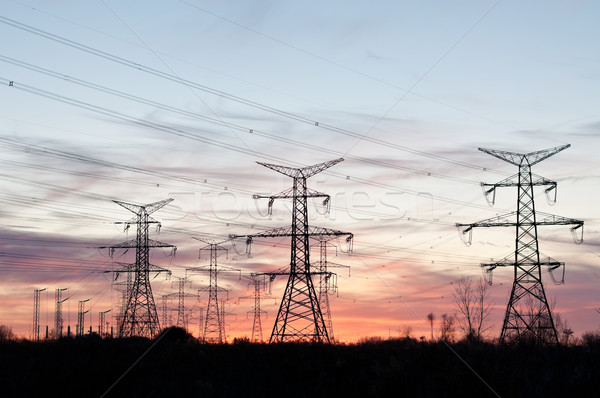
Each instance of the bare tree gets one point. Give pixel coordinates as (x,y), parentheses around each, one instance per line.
(430,319)
(447,327)
(563,330)
(406,331)
(6,333)
(474,306)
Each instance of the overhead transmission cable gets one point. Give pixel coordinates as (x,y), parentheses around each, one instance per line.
(340,65)
(182,133)
(256,105)
(220,122)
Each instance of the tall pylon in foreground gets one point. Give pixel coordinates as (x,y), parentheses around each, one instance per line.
(139,316)
(299,317)
(214,321)
(528,315)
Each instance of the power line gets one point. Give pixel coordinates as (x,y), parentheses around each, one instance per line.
(188,83)
(220,122)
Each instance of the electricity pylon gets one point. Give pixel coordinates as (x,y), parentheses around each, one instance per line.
(164,309)
(101,321)
(36,314)
(528,315)
(139,316)
(80,329)
(58,318)
(182,282)
(299,317)
(327,280)
(259,284)
(214,324)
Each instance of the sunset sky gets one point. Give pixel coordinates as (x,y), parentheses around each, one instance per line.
(141,101)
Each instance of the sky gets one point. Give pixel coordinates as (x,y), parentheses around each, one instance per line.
(143,101)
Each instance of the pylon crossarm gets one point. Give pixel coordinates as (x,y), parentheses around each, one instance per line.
(149,208)
(287,193)
(207,268)
(513,181)
(305,172)
(157,269)
(134,243)
(214,288)
(211,242)
(271,233)
(532,157)
(538,156)
(510,157)
(319,232)
(313,232)
(336,265)
(551,219)
(498,221)
(317,168)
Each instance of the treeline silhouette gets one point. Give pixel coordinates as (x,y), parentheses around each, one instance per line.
(177,365)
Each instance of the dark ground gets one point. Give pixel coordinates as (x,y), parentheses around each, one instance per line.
(175,367)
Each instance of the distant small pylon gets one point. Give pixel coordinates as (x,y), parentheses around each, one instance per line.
(214,322)
(36,314)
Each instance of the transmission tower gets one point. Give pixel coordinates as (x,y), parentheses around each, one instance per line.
(36,314)
(258,282)
(164,306)
(58,318)
(80,330)
(182,282)
(214,324)
(101,322)
(200,322)
(299,317)
(139,316)
(528,315)
(327,280)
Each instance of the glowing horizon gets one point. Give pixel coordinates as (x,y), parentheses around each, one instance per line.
(143,102)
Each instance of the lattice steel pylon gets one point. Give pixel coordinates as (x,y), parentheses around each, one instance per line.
(214,322)
(299,317)
(139,316)
(101,322)
(36,314)
(528,315)
(182,282)
(80,329)
(327,280)
(58,318)
(258,282)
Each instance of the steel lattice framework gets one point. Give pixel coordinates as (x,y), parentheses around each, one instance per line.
(299,317)
(528,315)
(181,295)
(139,317)
(101,323)
(80,330)
(214,322)
(258,283)
(36,313)
(58,318)
(327,280)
